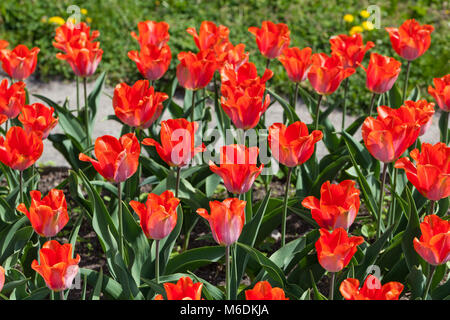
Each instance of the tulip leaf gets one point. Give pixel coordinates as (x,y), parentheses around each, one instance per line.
(395,97)
(289,110)
(194,258)
(416,281)
(98,286)
(412,231)
(317,294)
(109,286)
(94,97)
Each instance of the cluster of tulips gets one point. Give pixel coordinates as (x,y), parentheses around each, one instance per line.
(244,98)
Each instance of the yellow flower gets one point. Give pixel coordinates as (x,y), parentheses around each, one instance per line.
(365,14)
(72,20)
(89,20)
(83,11)
(56,20)
(349,18)
(355,29)
(367,25)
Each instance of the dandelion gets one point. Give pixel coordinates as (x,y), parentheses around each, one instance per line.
(365,14)
(83,11)
(356,29)
(56,20)
(89,20)
(349,18)
(367,25)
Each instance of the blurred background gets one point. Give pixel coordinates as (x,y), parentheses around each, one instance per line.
(312,23)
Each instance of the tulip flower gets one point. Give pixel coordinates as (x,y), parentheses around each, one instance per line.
(350,48)
(335,249)
(226,220)
(292,145)
(19,149)
(152,61)
(424,112)
(83,57)
(56,265)
(411,40)
(12,99)
(117,159)
(138,106)
(434,243)
(431,173)
(2,278)
(371,290)
(296,62)
(271,38)
(20,62)
(47,216)
(69,33)
(441,92)
(153,33)
(3,44)
(177,142)
(209,36)
(243,78)
(337,207)
(238,167)
(264,291)
(195,71)
(185,289)
(234,57)
(38,118)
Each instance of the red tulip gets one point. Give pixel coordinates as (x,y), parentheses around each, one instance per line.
(69,33)
(83,60)
(152,32)
(226,220)
(237,167)
(152,61)
(326,73)
(434,244)
(56,265)
(411,40)
(431,173)
(292,145)
(2,278)
(195,71)
(209,36)
(264,291)
(296,62)
(38,118)
(371,290)
(177,142)
(336,249)
(337,207)
(389,135)
(49,215)
(271,38)
(20,62)
(243,78)
(441,92)
(117,159)
(422,114)
(185,289)
(158,216)
(382,73)
(12,99)
(350,48)
(3,44)
(20,150)
(234,57)
(138,106)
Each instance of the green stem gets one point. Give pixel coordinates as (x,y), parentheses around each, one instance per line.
(392,205)
(429,281)
(344,111)
(177,186)
(372,102)
(227,272)
(78,95)
(285,205)
(21,185)
(316,121)
(267,63)
(86,112)
(331,293)
(119,191)
(193,106)
(61,295)
(157,261)
(445,133)
(380,207)
(405,85)
(6,126)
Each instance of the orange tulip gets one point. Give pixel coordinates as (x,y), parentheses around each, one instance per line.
(209,36)
(296,62)
(441,92)
(411,40)
(20,150)
(381,73)
(2,278)
(243,78)
(271,38)
(69,33)
(117,159)
(83,58)
(337,207)
(3,44)
(335,249)
(226,220)
(292,145)
(38,118)
(350,48)
(195,71)
(423,113)
(237,167)
(177,142)
(234,57)
(185,289)
(49,215)
(138,106)
(152,61)
(434,244)
(152,32)
(264,291)
(12,99)
(371,290)
(431,173)
(158,216)
(326,73)
(57,266)
(389,135)
(20,62)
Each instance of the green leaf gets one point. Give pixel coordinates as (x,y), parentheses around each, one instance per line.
(289,110)
(194,258)
(412,231)
(416,281)
(109,286)
(98,286)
